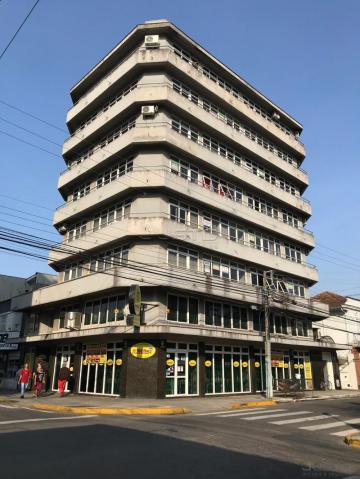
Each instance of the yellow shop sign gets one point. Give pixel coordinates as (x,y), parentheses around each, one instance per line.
(142,350)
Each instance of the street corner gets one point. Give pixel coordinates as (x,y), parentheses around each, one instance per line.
(150,411)
(240,405)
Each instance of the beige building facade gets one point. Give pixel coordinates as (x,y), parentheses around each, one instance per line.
(183,179)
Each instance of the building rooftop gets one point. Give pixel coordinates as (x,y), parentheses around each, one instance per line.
(334,300)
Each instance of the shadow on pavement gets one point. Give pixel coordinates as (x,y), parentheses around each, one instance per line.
(115,452)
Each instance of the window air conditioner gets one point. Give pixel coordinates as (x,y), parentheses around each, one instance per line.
(152,41)
(148,111)
(72,320)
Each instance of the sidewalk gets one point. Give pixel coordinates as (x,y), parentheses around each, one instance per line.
(194,405)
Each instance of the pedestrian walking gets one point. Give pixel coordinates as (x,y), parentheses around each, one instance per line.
(24,378)
(39,380)
(64,375)
(71,381)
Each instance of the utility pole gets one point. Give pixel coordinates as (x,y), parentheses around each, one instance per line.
(268,370)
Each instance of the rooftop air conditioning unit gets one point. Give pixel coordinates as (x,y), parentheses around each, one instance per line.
(72,320)
(62,229)
(152,41)
(148,111)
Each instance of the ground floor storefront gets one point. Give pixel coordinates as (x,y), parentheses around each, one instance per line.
(161,368)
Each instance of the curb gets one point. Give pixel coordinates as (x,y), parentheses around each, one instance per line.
(109,411)
(353,441)
(321,398)
(240,405)
(8,401)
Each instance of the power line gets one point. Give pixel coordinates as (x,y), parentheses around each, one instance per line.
(30,144)
(45,258)
(30,115)
(18,30)
(26,202)
(29,131)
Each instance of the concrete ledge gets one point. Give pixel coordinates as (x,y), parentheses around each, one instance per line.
(240,405)
(123,411)
(353,440)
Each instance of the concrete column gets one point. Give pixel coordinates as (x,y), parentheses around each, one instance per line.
(142,377)
(201,366)
(252,370)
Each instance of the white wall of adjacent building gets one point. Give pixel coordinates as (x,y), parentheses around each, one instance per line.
(344,328)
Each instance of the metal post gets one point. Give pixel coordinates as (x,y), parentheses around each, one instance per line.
(268,370)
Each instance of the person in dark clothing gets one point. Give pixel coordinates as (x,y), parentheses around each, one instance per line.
(39,380)
(63,378)
(71,381)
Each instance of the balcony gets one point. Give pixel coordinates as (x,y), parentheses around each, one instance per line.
(161,132)
(162,178)
(142,58)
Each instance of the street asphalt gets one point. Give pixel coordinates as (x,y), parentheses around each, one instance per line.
(290,440)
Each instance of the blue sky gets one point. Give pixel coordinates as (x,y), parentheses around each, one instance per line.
(303,55)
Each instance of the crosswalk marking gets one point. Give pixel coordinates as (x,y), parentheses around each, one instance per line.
(344,433)
(302,419)
(40,419)
(251,413)
(277,415)
(319,427)
(228,412)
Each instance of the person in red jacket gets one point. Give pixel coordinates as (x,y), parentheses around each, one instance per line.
(24,378)
(64,375)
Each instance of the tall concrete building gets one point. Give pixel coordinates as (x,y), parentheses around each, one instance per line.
(184,179)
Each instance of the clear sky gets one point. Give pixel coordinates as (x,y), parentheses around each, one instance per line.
(303,55)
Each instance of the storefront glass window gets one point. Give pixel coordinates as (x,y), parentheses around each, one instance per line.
(101,369)
(226,369)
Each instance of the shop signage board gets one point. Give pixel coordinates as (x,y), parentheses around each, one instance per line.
(8,347)
(307,370)
(96,354)
(142,350)
(277,360)
(135,300)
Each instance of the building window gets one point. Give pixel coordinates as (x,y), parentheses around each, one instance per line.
(232,122)
(105,310)
(183,258)
(115,172)
(106,106)
(278,324)
(110,259)
(225,189)
(80,192)
(258,320)
(225,315)
(73,271)
(299,327)
(182,309)
(207,72)
(293,253)
(104,142)
(77,231)
(227,369)
(115,213)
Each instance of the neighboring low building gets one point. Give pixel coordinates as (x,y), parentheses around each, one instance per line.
(11,322)
(343,327)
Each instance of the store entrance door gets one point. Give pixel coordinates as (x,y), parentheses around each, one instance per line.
(65,355)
